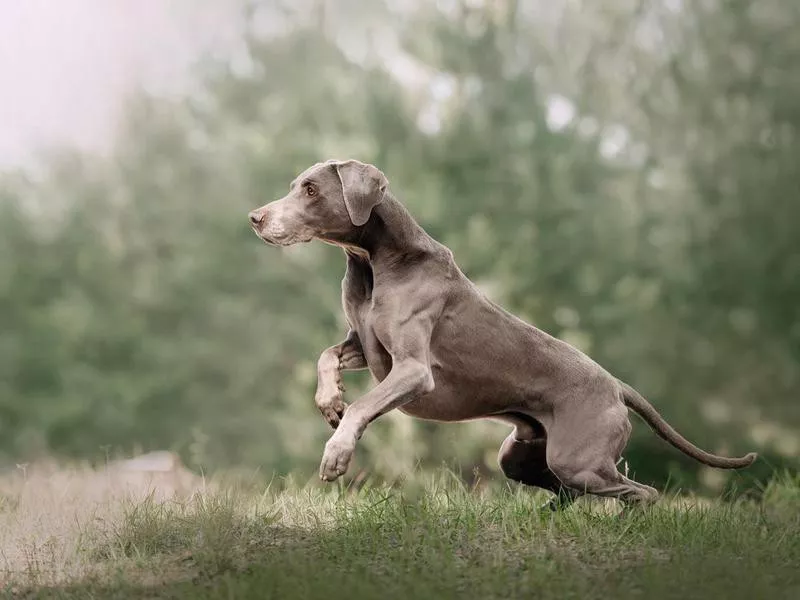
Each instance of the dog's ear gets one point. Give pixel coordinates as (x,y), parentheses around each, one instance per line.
(363,187)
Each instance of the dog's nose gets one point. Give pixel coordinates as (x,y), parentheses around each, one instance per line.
(256,217)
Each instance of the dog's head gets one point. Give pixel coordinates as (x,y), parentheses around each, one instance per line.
(329,201)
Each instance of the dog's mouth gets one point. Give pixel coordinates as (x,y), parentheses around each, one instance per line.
(262,237)
(283,242)
(267,241)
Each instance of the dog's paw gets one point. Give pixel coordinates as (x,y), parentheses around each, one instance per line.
(336,459)
(333,412)
(332,408)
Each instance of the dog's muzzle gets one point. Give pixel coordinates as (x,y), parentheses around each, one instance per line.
(257,218)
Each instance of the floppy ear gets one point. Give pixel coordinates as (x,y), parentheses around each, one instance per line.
(363,187)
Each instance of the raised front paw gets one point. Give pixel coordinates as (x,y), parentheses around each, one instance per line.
(332,407)
(336,459)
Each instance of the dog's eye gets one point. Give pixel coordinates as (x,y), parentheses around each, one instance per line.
(311,191)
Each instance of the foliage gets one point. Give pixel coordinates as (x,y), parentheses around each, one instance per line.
(650,221)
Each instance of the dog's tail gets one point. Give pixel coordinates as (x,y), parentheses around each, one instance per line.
(647,411)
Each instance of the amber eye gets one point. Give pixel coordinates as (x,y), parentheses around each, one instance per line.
(311,191)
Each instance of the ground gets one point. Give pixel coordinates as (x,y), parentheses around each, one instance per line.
(69,535)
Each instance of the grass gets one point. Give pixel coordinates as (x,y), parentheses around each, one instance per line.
(69,534)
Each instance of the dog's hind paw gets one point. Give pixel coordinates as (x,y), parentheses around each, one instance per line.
(550,506)
(558,502)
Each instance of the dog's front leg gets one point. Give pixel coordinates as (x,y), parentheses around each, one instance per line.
(408,379)
(344,356)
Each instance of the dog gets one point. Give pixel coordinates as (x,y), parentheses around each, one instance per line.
(440,350)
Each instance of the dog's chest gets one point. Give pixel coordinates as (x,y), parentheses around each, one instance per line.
(357,288)
(361,319)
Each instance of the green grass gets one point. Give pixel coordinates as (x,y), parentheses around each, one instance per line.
(431,539)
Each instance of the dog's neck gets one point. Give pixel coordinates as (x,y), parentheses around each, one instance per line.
(390,235)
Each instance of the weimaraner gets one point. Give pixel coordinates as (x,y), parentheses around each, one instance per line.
(440,350)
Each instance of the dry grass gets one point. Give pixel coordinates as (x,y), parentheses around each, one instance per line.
(50,515)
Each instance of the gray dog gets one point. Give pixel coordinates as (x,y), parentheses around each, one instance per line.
(440,350)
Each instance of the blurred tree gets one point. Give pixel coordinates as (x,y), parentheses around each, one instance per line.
(623,177)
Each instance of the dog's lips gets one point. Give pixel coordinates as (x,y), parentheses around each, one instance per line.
(262,237)
(284,242)
(294,241)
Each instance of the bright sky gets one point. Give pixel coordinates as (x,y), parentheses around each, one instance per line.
(65,65)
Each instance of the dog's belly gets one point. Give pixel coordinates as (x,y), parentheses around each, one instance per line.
(440,405)
(458,399)
(455,398)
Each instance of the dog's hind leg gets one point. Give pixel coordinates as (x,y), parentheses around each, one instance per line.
(584,447)
(523,458)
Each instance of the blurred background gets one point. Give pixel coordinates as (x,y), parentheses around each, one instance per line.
(624,175)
